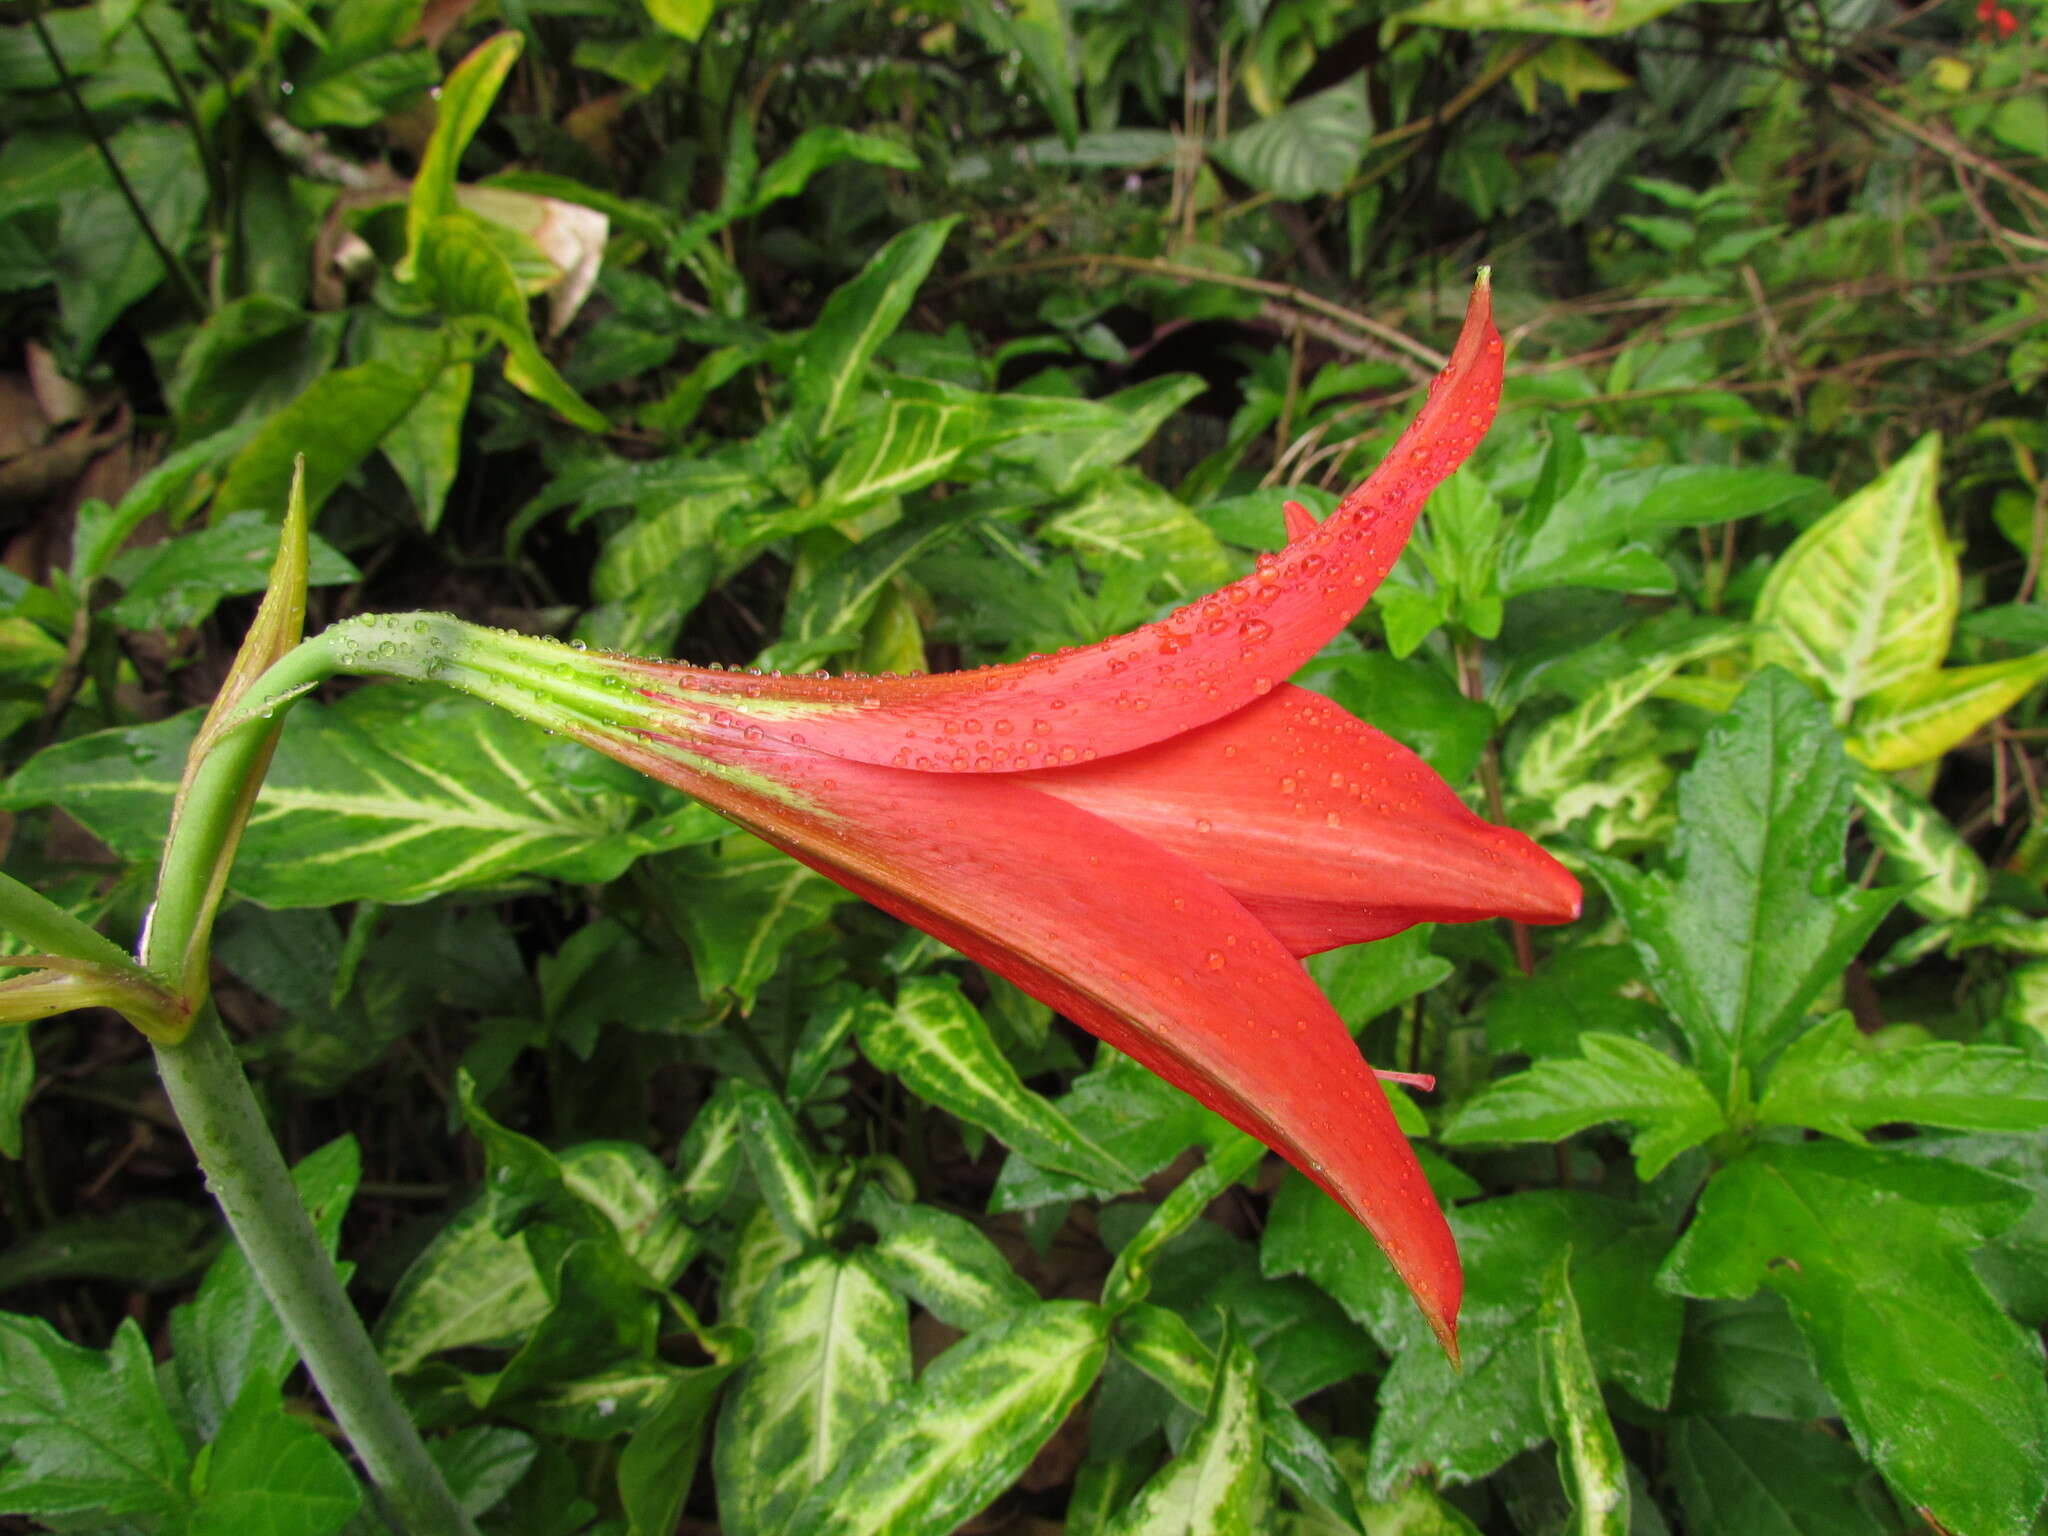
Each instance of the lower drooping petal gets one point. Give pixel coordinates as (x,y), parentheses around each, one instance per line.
(1329,831)
(1123,936)
(1197,665)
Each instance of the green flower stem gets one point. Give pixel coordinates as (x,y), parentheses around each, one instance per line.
(207,1088)
(43,925)
(240,1158)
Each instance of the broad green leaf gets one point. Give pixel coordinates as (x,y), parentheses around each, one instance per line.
(1587,988)
(815,149)
(658,1465)
(1140,1119)
(271,1471)
(602,1314)
(1561,753)
(1124,516)
(250,359)
(1832,1079)
(1588,1455)
(945,1447)
(738,903)
(394,794)
(471,1286)
(1867,596)
(465,273)
(1938,1387)
(628,1186)
(425,445)
(941,1047)
(828,613)
(831,1349)
(707,1163)
(1467,1423)
(17,1082)
(1363,981)
(942,1262)
(102,263)
(1418,706)
(335,424)
(228,1335)
(143,1245)
(1614,1078)
(1229,1159)
(1160,1343)
(1757,915)
(1948,879)
(1746,1358)
(1753,1477)
(857,319)
(1567,16)
(1917,720)
(823,1047)
(180,581)
(464,101)
(87,1432)
(1063,456)
(760,1253)
(1314,145)
(1213,1487)
(782,1164)
(681,18)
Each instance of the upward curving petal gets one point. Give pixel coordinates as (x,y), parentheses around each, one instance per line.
(1207,659)
(1329,831)
(1120,934)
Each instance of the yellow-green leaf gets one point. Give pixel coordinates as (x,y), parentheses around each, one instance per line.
(1866,598)
(1915,721)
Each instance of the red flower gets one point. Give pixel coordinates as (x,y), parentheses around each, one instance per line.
(1145,833)
(1998,22)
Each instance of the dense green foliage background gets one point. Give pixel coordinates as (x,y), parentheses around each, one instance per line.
(682,1188)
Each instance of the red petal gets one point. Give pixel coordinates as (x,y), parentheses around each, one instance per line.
(1204,661)
(1327,830)
(1120,934)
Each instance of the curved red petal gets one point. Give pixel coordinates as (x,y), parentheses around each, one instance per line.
(1211,657)
(1329,831)
(1123,936)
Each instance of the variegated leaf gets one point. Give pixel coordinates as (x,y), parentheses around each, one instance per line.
(1866,597)
(942,1262)
(1214,1486)
(1588,1455)
(1948,879)
(1916,721)
(948,1445)
(832,1347)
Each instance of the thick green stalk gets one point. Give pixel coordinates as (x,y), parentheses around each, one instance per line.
(240,1158)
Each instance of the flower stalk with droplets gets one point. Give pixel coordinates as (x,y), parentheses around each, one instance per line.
(1147,834)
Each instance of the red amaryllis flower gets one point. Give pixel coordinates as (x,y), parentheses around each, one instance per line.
(1146,834)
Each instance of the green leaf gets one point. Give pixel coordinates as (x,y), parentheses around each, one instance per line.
(1138,1118)
(1948,879)
(395,794)
(228,1336)
(180,581)
(465,273)
(1230,1159)
(782,1164)
(1467,1423)
(1314,145)
(816,149)
(681,18)
(1588,1455)
(1561,753)
(1758,916)
(17,1082)
(658,1465)
(828,613)
(857,319)
(942,1262)
(831,1349)
(1125,516)
(1036,32)
(334,424)
(945,1447)
(1567,16)
(738,904)
(1752,1477)
(941,1047)
(1212,1487)
(102,261)
(1867,596)
(1746,1357)
(460,108)
(602,1314)
(144,1244)
(87,1432)
(1939,1388)
(1917,720)
(271,1471)
(1418,705)
(425,445)
(1160,1343)
(1589,987)
(1834,1080)
(1614,1078)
